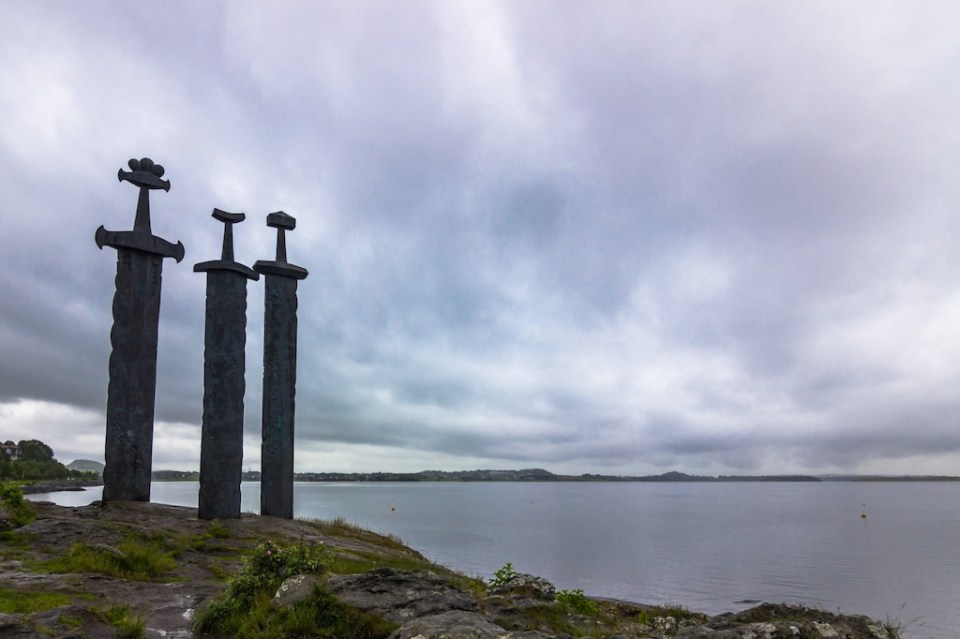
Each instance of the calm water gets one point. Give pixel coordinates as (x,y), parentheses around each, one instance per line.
(711,547)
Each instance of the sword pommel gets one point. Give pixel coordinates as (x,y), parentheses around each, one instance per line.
(228,218)
(145,173)
(281,220)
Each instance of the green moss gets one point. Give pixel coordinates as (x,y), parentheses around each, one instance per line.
(28,602)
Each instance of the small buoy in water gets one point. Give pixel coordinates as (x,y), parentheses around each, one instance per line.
(863,513)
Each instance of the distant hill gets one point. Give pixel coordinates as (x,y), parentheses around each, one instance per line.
(538,474)
(86,465)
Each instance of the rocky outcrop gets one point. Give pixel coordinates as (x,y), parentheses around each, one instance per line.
(427,603)
(398,595)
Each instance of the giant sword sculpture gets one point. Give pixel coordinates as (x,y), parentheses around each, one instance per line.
(279,373)
(131,392)
(224,349)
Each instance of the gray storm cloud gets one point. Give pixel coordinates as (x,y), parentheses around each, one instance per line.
(619,238)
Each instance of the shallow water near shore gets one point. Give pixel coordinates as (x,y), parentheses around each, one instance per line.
(710,547)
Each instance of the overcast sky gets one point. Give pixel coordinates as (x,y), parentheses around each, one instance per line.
(615,237)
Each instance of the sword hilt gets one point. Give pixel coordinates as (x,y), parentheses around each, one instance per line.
(282,222)
(228,219)
(146,174)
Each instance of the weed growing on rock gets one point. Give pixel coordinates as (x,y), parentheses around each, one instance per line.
(502,575)
(578,602)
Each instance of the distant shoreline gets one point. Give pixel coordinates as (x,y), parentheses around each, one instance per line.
(40,487)
(540,475)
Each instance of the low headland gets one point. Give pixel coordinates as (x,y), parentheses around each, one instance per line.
(141,570)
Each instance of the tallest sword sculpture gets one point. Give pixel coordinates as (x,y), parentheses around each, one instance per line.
(133,361)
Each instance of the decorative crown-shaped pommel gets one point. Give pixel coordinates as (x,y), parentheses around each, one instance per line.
(144,172)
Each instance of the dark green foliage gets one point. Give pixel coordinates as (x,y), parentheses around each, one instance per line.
(262,573)
(245,609)
(20,510)
(576,601)
(37,462)
(35,450)
(320,615)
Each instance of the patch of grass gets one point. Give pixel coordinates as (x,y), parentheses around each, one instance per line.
(12,500)
(13,545)
(132,559)
(68,621)
(28,602)
(897,627)
(578,602)
(320,615)
(218,571)
(677,611)
(216,530)
(361,561)
(555,619)
(14,539)
(340,527)
(129,624)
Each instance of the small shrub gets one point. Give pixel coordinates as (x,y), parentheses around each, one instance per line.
(577,602)
(502,575)
(21,510)
(262,573)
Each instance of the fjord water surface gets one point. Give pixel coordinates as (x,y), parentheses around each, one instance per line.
(713,547)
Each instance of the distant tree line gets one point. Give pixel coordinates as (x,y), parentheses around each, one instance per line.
(36,461)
